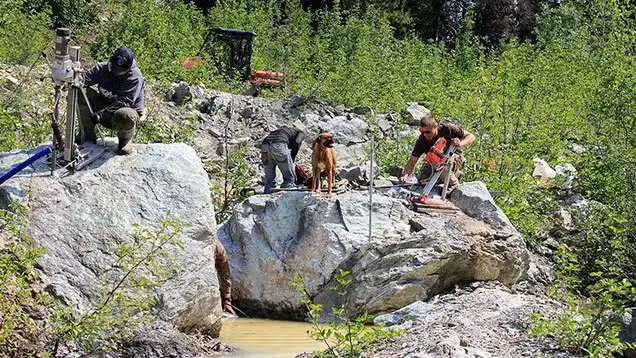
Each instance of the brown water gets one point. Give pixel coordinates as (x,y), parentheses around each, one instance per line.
(255,337)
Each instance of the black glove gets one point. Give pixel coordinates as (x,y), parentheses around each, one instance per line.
(96,117)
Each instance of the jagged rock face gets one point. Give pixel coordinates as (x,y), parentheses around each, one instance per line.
(410,256)
(248,120)
(482,320)
(81,217)
(475,200)
(227,122)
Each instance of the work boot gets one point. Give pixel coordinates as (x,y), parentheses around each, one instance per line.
(124,122)
(125,145)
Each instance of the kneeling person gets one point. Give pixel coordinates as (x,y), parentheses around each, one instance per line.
(119,101)
(430,131)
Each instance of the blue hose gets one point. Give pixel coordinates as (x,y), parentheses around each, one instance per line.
(24,164)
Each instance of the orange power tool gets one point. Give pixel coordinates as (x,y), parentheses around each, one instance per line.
(438,157)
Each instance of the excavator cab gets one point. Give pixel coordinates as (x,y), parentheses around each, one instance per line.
(231,51)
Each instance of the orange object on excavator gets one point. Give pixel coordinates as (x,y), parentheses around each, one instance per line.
(233,58)
(266,78)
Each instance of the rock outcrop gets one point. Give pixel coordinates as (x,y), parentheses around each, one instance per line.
(483,320)
(410,256)
(243,121)
(80,218)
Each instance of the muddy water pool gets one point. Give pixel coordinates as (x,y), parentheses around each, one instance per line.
(255,337)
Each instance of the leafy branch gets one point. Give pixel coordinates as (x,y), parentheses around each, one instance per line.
(345,337)
(146,263)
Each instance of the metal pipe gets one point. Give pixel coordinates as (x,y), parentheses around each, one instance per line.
(13,171)
(71,116)
(447,168)
(371,187)
(58,140)
(371,173)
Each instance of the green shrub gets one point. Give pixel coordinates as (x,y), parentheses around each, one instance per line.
(20,298)
(21,132)
(227,181)
(23,34)
(589,324)
(346,337)
(73,14)
(159,34)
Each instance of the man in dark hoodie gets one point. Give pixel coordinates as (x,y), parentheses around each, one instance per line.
(119,101)
(279,149)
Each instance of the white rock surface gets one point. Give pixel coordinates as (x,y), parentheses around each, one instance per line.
(410,257)
(487,320)
(81,217)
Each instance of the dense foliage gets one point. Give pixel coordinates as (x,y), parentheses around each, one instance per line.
(563,89)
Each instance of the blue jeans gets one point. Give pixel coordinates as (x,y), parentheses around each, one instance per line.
(277,155)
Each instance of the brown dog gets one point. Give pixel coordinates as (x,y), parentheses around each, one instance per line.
(323,158)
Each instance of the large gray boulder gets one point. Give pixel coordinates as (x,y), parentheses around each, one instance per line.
(475,200)
(80,218)
(410,256)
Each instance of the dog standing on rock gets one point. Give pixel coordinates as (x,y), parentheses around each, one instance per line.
(323,158)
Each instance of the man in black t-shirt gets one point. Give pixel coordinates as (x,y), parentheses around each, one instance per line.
(430,131)
(279,149)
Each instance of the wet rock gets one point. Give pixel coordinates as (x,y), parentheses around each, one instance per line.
(161,341)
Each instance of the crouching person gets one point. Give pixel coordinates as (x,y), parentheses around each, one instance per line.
(430,132)
(118,102)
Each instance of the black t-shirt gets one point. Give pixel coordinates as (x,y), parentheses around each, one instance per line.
(290,136)
(445,130)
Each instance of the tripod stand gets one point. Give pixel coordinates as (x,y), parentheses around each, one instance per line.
(67,73)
